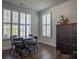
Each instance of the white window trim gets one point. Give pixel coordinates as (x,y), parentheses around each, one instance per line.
(46,26)
(15,24)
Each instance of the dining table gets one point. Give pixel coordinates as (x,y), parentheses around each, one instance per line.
(25,39)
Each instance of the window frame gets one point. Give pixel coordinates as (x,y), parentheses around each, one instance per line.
(5,23)
(46,36)
(16,23)
(25,23)
(22,23)
(11,23)
(29,24)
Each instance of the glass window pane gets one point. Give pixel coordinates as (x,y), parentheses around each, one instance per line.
(28,19)
(14,29)
(6,15)
(48,30)
(44,19)
(44,30)
(28,30)
(48,19)
(6,31)
(22,18)
(22,30)
(14,17)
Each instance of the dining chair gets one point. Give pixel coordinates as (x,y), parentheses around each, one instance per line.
(33,44)
(19,46)
(35,40)
(12,43)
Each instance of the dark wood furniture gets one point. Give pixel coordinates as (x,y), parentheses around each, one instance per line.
(66,41)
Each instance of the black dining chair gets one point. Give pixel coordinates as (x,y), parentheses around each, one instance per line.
(33,44)
(19,46)
(35,40)
(12,43)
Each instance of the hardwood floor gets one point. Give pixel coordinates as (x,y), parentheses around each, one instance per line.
(44,52)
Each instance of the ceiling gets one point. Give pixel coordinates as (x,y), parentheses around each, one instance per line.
(37,5)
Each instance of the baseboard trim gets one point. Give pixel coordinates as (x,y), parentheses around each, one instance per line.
(48,44)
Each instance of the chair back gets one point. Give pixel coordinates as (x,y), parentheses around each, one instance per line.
(30,35)
(35,39)
(11,38)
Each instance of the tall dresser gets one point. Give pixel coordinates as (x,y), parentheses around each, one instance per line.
(66,41)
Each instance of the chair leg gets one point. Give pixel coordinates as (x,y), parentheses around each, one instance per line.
(14,51)
(36,48)
(11,48)
(26,49)
(20,53)
(29,49)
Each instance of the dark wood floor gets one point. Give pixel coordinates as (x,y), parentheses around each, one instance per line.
(44,52)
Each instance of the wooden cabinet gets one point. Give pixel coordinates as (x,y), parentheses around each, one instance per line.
(66,38)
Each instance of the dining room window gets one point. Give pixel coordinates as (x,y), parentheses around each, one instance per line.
(25,24)
(6,23)
(15,23)
(22,24)
(28,24)
(46,25)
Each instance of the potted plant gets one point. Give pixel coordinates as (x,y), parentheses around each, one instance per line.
(63,20)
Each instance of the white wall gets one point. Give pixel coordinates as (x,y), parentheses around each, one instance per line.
(68,9)
(35,20)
